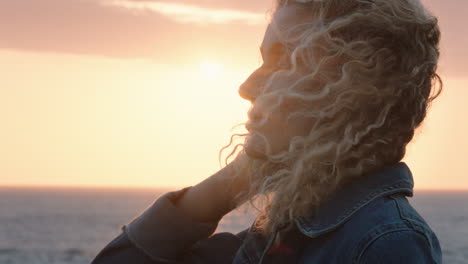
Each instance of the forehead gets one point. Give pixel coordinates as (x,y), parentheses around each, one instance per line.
(282,20)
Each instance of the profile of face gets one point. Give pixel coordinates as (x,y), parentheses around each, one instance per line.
(277,130)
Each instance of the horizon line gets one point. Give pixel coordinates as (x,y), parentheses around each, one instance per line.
(142,187)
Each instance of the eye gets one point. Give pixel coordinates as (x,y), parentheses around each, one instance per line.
(283,63)
(277,58)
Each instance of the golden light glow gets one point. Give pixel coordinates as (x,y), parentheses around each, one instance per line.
(148,95)
(184,13)
(91,121)
(211,70)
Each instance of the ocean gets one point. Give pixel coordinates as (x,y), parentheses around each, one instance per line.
(55,226)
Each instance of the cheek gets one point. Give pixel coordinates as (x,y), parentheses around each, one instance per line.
(278,133)
(298,126)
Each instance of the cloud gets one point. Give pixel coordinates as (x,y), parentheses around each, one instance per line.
(170,31)
(89,27)
(184,13)
(259,6)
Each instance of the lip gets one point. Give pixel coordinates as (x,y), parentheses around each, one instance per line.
(248,126)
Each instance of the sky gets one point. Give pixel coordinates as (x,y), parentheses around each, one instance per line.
(134,93)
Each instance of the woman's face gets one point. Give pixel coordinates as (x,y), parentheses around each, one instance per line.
(275,57)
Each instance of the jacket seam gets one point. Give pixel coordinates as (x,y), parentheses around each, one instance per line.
(362,245)
(244,256)
(270,242)
(143,250)
(400,212)
(112,245)
(386,190)
(417,226)
(370,242)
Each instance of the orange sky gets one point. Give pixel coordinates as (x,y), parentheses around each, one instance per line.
(139,93)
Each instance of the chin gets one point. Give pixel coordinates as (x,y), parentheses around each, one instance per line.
(253,149)
(255,154)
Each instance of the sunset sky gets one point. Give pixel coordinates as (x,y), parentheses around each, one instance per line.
(134,93)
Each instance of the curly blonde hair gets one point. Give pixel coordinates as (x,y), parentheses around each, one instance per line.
(371,77)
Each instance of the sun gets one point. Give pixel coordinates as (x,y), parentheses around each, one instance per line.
(210,70)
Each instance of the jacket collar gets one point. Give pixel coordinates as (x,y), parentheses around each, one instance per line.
(348,199)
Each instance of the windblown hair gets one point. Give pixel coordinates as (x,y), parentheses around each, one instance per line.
(370,79)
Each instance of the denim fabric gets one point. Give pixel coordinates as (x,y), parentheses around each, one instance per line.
(366,221)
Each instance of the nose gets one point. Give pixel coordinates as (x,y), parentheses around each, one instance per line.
(249,90)
(254,114)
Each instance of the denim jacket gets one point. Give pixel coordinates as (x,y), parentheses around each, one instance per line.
(366,221)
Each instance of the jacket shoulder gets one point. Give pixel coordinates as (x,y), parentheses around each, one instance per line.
(392,229)
(386,223)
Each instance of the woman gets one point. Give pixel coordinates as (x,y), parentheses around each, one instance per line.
(343,86)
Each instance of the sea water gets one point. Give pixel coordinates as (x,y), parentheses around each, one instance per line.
(52,225)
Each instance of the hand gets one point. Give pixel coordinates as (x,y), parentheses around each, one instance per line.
(214,197)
